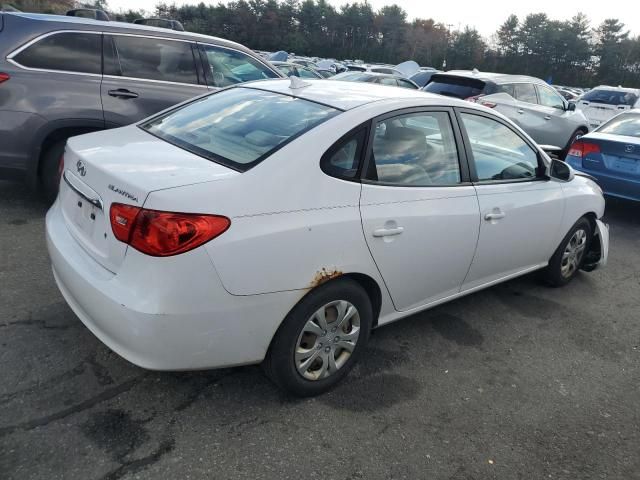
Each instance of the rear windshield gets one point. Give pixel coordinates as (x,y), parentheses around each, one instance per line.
(611,97)
(238,127)
(627,124)
(458,87)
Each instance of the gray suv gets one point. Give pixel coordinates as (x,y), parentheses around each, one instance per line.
(530,102)
(63,76)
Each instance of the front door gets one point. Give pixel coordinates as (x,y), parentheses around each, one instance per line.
(519,207)
(143,76)
(419,212)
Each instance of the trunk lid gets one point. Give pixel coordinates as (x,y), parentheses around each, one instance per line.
(619,155)
(121,166)
(598,113)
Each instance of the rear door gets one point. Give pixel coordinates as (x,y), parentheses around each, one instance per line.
(419,212)
(528,114)
(144,75)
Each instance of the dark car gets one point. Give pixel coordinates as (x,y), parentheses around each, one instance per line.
(62,76)
(373,77)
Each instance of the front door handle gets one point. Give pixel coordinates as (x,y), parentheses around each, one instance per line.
(548,117)
(494,216)
(387,232)
(520,111)
(122,93)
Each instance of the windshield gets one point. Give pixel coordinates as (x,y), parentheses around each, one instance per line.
(627,124)
(238,127)
(611,97)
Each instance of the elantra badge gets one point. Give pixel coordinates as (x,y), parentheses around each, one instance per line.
(82,170)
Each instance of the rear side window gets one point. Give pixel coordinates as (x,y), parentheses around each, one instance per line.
(508,88)
(67,52)
(343,159)
(458,87)
(416,149)
(526,92)
(498,152)
(155,59)
(228,67)
(610,97)
(238,127)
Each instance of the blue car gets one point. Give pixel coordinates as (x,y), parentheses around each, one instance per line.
(611,154)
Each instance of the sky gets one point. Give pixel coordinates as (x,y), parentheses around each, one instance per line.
(484,16)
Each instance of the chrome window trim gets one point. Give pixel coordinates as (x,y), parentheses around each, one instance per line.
(257,57)
(10,57)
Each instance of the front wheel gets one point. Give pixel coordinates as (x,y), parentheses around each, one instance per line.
(321,339)
(568,258)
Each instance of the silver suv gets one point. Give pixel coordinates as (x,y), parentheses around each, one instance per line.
(530,102)
(62,76)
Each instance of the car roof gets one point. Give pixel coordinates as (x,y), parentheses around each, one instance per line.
(68,22)
(497,78)
(348,95)
(616,89)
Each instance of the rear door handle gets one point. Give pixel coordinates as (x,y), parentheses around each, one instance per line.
(122,93)
(520,111)
(548,117)
(494,216)
(387,232)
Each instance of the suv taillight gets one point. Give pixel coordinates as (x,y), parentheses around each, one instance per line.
(4,77)
(162,234)
(582,148)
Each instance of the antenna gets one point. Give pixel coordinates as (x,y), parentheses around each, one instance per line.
(297,83)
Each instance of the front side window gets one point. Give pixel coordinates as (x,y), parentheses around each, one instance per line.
(388,81)
(154,59)
(228,67)
(550,98)
(238,127)
(526,92)
(68,52)
(405,84)
(498,152)
(416,149)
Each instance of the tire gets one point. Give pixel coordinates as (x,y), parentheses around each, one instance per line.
(568,258)
(577,134)
(50,170)
(299,358)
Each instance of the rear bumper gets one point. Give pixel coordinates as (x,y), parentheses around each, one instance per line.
(154,317)
(611,184)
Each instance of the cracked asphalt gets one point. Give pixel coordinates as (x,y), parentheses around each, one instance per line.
(520,381)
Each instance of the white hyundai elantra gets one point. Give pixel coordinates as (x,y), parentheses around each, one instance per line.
(281,221)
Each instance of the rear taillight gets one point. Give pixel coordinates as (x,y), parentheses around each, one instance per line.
(474,99)
(582,148)
(162,234)
(4,77)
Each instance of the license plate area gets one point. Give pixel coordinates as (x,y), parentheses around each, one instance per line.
(625,165)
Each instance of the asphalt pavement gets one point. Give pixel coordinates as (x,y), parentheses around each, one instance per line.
(520,381)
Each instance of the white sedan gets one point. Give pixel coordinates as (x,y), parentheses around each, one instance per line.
(281,221)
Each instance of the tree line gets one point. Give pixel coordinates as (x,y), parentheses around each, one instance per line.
(570,52)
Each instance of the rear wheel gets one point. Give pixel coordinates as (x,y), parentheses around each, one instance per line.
(321,339)
(568,258)
(51,169)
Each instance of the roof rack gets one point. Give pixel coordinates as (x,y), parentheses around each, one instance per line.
(92,13)
(161,23)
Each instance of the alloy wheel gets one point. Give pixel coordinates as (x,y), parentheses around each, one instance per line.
(573,253)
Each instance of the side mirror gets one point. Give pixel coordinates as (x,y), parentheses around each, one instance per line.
(560,170)
(571,107)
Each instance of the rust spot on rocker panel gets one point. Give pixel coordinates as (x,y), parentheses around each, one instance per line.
(324,275)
